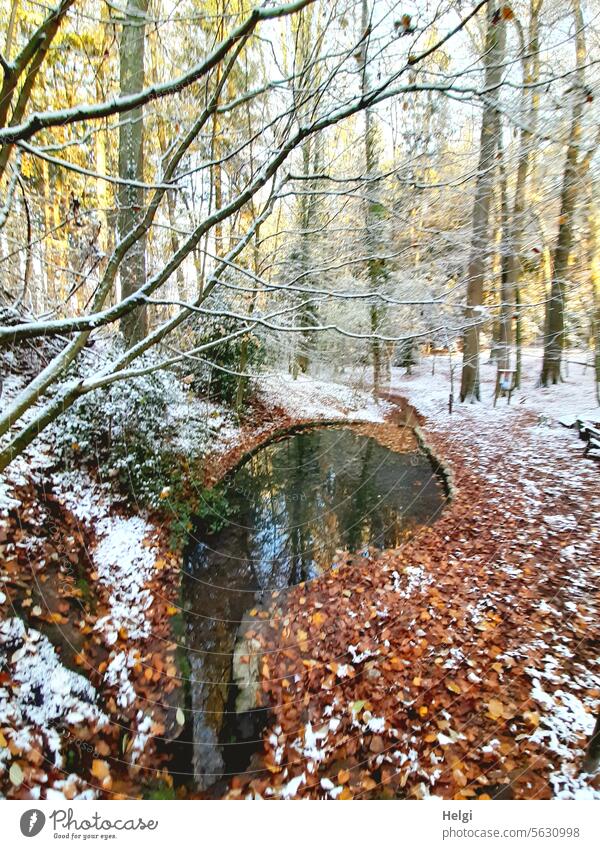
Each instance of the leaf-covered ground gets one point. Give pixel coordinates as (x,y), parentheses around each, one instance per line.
(90,684)
(464,664)
(87,659)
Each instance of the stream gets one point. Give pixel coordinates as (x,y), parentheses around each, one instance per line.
(292,507)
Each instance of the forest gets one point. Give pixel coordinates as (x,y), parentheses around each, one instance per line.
(299,400)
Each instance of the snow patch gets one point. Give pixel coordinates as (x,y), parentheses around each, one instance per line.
(44,696)
(308,398)
(124,565)
(291,788)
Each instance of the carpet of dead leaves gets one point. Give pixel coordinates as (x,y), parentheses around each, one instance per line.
(400,674)
(51,583)
(445,667)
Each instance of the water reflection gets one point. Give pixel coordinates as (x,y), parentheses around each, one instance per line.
(293,504)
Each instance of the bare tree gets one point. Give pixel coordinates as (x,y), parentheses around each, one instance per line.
(594,266)
(515,220)
(554,334)
(494,57)
(134,325)
(375,265)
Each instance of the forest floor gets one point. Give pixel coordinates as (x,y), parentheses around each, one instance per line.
(463,664)
(90,682)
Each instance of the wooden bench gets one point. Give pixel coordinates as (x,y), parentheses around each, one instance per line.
(590,433)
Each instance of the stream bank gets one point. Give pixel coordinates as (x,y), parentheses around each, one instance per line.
(96,544)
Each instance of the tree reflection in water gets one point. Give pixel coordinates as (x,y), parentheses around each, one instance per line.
(293,504)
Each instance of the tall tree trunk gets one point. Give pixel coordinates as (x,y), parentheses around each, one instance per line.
(594,266)
(172,216)
(217,184)
(49,284)
(307,47)
(307,316)
(554,331)
(242,387)
(216,171)
(494,55)
(134,325)
(530,63)
(505,335)
(375,271)
(104,193)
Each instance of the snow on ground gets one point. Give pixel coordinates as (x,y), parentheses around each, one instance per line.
(124,565)
(27,467)
(124,559)
(41,698)
(553,472)
(200,425)
(117,676)
(123,555)
(82,496)
(429,392)
(7,500)
(308,398)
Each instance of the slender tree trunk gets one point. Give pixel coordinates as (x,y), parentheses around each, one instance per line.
(308,208)
(494,56)
(217,185)
(554,333)
(172,216)
(134,325)
(594,266)
(526,164)
(505,334)
(216,172)
(242,387)
(104,194)
(308,41)
(14,7)
(374,265)
(530,64)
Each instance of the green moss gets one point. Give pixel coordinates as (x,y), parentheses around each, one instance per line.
(160,791)
(83,586)
(183,662)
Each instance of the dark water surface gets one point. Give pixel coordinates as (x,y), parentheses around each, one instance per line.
(291,506)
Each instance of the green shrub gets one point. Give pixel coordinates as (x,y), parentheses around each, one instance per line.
(125,430)
(219,377)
